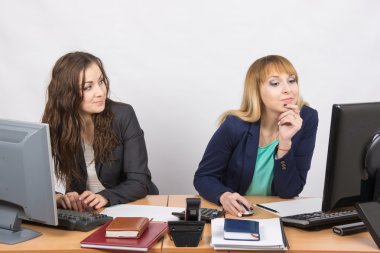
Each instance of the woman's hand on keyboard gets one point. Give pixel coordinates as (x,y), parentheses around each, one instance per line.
(93,200)
(70,201)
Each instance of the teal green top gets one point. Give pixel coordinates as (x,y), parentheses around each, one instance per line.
(263,176)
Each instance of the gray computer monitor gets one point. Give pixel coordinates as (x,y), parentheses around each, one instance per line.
(26,179)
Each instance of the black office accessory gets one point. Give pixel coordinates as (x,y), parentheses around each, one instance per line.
(369,212)
(246,230)
(284,238)
(349,229)
(188,233)
(248,210)
(371,160)
(320,220)
(81,221)
(371,168)
(192,212)
(207,214)
(267,208)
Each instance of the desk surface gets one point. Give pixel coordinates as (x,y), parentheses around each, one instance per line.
(317,241)
(54,240)
(299,240)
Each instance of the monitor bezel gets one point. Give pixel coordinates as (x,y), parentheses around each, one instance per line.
(338,122)
(36,189)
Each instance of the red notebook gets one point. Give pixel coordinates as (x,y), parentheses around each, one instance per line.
(151,235)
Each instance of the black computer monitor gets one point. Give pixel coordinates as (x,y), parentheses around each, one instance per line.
(353,127)
(26,179)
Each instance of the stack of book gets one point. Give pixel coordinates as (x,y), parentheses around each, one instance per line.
(235,234)
(126,233)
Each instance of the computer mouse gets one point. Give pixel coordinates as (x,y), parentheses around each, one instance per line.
(248,211)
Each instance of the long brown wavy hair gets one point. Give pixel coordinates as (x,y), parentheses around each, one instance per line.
(64,96)
(252,104)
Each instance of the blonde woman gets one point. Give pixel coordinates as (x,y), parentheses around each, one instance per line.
(265,147)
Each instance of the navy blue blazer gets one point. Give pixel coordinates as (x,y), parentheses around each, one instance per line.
(229,161)
(126,177)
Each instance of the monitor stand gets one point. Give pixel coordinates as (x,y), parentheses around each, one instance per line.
(10,237)
(10,227)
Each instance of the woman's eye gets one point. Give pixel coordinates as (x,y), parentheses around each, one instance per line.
(274,83)
(101,82)
(88,87)
(292,79)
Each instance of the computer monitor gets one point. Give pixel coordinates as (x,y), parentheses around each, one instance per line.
(353,127)
(26,179)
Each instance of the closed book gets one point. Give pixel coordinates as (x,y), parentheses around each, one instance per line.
(98,240)
(235,229)
(127,227)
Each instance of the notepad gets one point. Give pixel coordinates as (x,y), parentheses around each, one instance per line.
(246,230)
(294,206)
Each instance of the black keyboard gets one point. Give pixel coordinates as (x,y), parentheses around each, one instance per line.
(82,221)
(320,220)
(207,214)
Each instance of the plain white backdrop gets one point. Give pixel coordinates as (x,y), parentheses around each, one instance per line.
(180,64)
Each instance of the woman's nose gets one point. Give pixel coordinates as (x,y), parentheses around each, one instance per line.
(99,91)
(286,88)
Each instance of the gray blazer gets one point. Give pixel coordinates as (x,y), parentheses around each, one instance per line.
(127,177)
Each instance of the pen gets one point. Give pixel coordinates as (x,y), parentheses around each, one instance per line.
(267,208)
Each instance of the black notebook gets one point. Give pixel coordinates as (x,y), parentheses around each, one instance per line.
(235,229)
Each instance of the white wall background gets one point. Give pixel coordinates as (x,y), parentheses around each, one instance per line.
(182,63)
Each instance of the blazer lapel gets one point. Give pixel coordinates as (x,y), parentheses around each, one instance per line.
(82,164)
(98,168)
(80,184)
(249,156)
(83,169)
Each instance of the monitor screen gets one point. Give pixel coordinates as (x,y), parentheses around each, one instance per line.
(353,126)
(26,179)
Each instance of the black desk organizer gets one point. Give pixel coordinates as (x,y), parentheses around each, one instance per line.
(188,233)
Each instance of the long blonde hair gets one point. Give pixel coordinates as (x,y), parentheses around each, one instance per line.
(251,105)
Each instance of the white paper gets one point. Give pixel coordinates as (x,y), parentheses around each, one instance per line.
(296,206)
(270,236)
(157,213)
